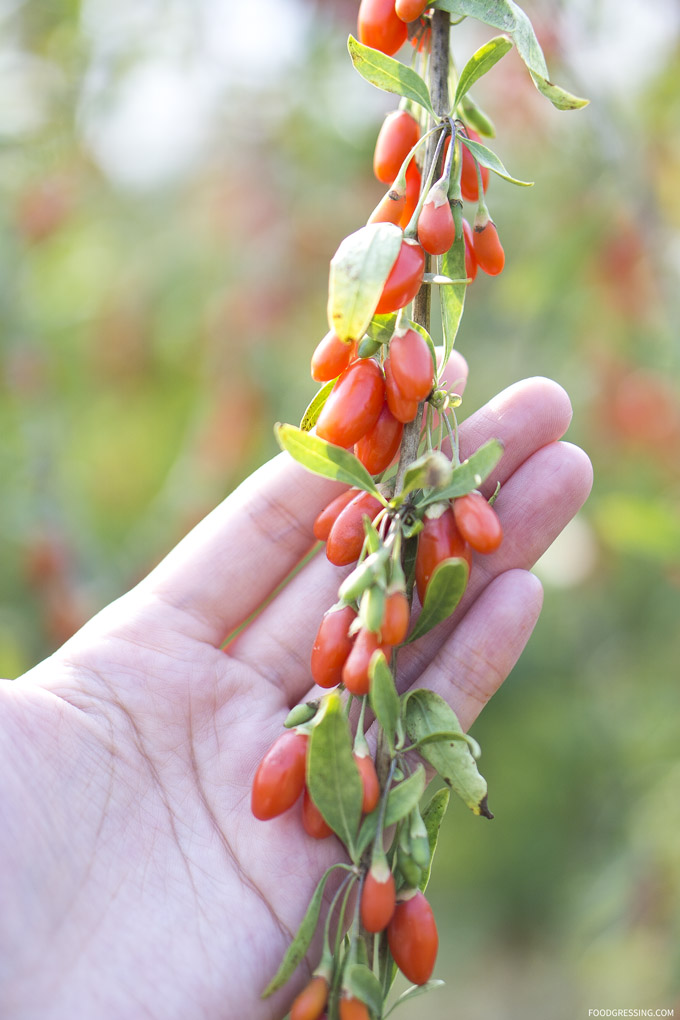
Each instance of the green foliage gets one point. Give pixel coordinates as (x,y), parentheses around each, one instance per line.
(324,458)
(389,74)
(359,269)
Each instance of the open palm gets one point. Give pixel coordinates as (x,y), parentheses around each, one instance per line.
(135,881)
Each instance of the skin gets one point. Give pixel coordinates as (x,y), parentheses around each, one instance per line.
(134,880)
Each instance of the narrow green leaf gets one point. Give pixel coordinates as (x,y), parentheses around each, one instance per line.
(560,98)
(425,712)
(296,951)
(509,17)
(453,297)
(470,474)
(315,406)
(432,817)
(444,592)
(389,74)
(404,797)
(489,159)
(358,272)
(381,327)
(364,985)
(384,698)
(413,991)
(481,61)
(332,775)
(322,458)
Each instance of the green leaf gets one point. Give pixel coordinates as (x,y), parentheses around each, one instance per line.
(432,817)
(388,74)
(381,327)
(452,297)
(384,698)
(325,459)
(489,159)
(425,712)
(477,118)
(315,406)
(470,474)
(404,797)
(364,985)
(443,735)
(509,17)
(367,347)
(413,991)
(358,272)
(297,950)
(333,778)
(479,63)
(444,591)
(431,470)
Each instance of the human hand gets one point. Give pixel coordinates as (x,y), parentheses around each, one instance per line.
(136,882)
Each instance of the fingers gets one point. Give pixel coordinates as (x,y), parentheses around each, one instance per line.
(475,659)
(232,561)
(534,505)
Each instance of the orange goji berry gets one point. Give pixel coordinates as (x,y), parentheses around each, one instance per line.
(377,449)
(327,517)
(413,182)
(404,410)
(369,781)
(412,937)
(436,229)
(330,358)
(346,536)
(311,1001)
(412,365)
(397,136)
(355,671)
(470,258)
(378,898)
(379,26)
(469,186)
(390,208)
(488,248)
(353,1009)
(409,10)
(405,278)
(397,618)
(331,647)
(478,522)
(439,540)
(313,821)
(280,776)
(353,405)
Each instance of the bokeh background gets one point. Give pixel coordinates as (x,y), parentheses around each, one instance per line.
(174,177)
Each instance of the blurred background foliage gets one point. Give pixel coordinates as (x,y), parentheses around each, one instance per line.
(174,178)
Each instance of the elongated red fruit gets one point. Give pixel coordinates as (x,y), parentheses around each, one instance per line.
(311,1001)
(390,208)
(439,540)
(403,409)
(330,358)
(413,939)
(353,405)
(280,777)
(331,647)
(355,671)
(312,820)
(377,449)
(412,365)
(488,249)
(406,276)
(369,781)
(347,533)
(436,229)
(468,176)
(353,1009)
(470,259)
(413,182)
(378,898)
(324,522)
(478,522)
(397,618)
(409,10)
(379,26)
(397,136)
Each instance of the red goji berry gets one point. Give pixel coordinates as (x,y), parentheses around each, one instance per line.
(331,646)
(353,405)
(413,939)
(468,175)
(379,26)
(330,358)
(327,517)
(377,449)
(409,10)
(470,259)
(355,671)
(346,536)
(369,781)
(353,1009)
(413,182)
(390,208)
(439,540)
(397,136)
(280,777)
(412,365)
(311,1001)
(488,248)
(403,409)
(436,229)
(378,898)
(313,821)
(478,522)
(397,618)
(404,280)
